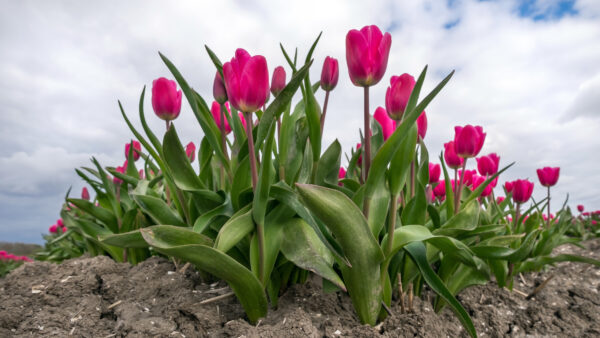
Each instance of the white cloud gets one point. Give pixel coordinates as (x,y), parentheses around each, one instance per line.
(533,85)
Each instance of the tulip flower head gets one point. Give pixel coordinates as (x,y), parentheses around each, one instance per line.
(435,171)
(508,185)
(450,156)
(422,125)
(387,124)
(499,199)
(477,181)
(120,169)
(488,165)
(580,208)
(329,74)
(278,81)
(60,223)
(468,177)
(166,99)
(341,175)
(85,194)
(367,53)
(137,149)
(468,140)
(397,95)
(219,92)
(247,81)
(215,111)
(141,174)
(440,190)
(548,176)
(359,161)
(522,190)
(53,228)
(190,151)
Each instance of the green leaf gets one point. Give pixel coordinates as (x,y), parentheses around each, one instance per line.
(466,220)
(261,195)
(416,209)
(477,192)
(329,164)
(215,60)
(448,188)
(235,229)
(536,263)
(302,246)
(244,284)
(400,164)
(202,222)
(418,253)
(158,210)
(181,170)
(347,223)
(378,208)
(131,239)
(103,215)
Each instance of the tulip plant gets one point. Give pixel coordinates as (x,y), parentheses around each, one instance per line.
(269,205)
(9,262)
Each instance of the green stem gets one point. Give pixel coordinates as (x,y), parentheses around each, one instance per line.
(324,112)
(251,153)
(367,127)
(548,225)
(260,233)
(392,224)
(460,187)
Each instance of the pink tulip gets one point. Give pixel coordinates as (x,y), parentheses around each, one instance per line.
(85,194)
(477,181)
(121,170)
(499,199)
(452,160)
(246,81)
(585,213)
(397,95)
(278,81)
(60,223)
(242,119)
(53,228)
(367,54)
(219,92)
(166,99)
(488,165)
(468,140)
(580,208)
(136,152)
(508,186)
(64,229)
(435,171)
(359,161)
(141,174)
(215,110)
(2,253)
(387,125)
(594,222)
(329,74)
(468,178)
(190,151)
(522,190)
(548,176)
(422,125)
(440,190)
(429,195)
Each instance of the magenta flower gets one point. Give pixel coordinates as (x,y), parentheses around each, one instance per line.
(477,181)
(508,185)
(53,228)
(580,208)
(137,149)
(452,159)
(468,178)
(548,176)
(190,151)
(397,95)
(522,190)
(387,125)
(166,99)
(367,53)
(120,169)
(468,140)
(329,74)
(499,199)
(219,92)
(60,223)
(85,194)
(488,165)
(422,125)
(278,81)
(215,110)
(247,81)
(435,171)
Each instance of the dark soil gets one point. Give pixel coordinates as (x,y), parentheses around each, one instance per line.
(96,297)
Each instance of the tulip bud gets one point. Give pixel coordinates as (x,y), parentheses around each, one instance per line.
(219,92)
(397,95)
(422,125)
(215,110)
(499,199)
(387,125)
(166,99)
(435,171)
(278,81)
(440,190)
(60,223)
(468,140)
(452,160)
(522,190)
(247,81)
(53,228)
(190,151)
(477,181)
(548,176)
(508,186)
(329,74)
(141,174)
(85,194)
(121,170)
(359,161)
(341,175)
(580,208)
(488,165)
(137,149)
(367,53)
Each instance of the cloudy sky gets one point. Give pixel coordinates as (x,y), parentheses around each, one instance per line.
(527,71)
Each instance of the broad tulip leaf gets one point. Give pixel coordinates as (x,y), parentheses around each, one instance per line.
(180,168)
(347,223)
(241,182)
(463,278)
(261,195)
(202,222)
(416,209)
(418,253)
(477,192)
(158,210)
(400,164)
(448,188)
(328,166)
(302,246)
(91,231)
(536,263)
(131,239)
(466,220)
(244,284)
(175,236)
(235,229)
(378,208)
(103,215)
